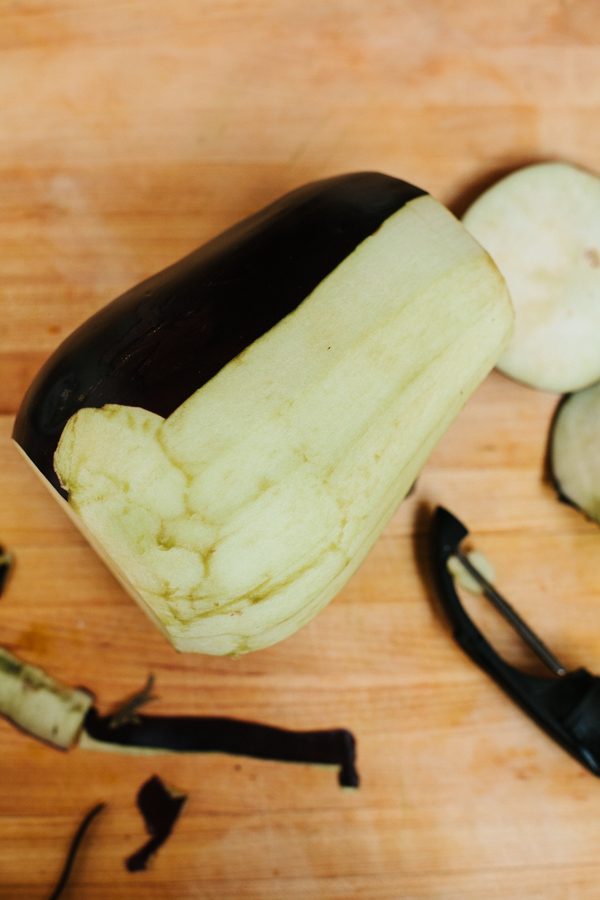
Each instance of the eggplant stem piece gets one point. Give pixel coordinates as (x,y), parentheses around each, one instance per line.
(73,850)
(127,712)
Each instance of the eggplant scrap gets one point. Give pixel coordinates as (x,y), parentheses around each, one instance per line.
(75,844)
(65,717)
(233,434)
(160,807)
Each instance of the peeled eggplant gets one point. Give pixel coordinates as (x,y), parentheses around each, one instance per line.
(541,225)
(233,434)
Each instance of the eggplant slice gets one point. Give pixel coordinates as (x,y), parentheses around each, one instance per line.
(575,451)
(541,226)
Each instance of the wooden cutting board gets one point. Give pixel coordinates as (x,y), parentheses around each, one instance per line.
(131,132)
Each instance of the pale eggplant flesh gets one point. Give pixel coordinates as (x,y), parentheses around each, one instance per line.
(233,434)
(541,225)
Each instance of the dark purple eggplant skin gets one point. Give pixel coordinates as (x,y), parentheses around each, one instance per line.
(215,734)
(155,345)
(560,495)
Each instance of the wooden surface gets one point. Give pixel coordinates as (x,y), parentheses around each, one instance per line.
(132,131)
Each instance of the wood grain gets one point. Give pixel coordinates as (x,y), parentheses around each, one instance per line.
(133,131)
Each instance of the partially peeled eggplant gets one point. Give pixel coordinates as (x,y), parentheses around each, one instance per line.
(233,434)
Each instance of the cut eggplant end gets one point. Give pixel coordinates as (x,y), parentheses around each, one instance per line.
(541,225)
(235,515)
(575,451)
(39,705)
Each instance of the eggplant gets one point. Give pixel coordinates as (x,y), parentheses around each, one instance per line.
(575,451)
(233,434)
(541,225)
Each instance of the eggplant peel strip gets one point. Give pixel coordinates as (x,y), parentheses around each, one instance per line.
(65,717)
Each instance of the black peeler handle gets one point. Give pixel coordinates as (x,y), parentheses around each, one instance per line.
(567,708)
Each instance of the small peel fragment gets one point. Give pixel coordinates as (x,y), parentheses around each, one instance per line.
(79,835)
(160,807)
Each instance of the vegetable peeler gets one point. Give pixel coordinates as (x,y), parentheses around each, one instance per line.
(567,704)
